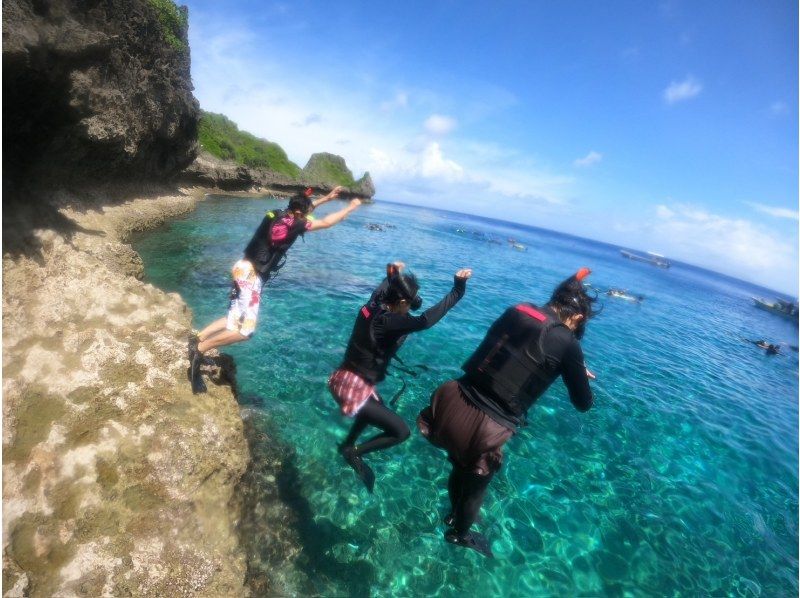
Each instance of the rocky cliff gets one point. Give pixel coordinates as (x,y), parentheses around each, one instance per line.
(95,89)
(329,169)
(116,479)
(212,172)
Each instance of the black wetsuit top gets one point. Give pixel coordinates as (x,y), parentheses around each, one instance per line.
(562,349)
(390,329)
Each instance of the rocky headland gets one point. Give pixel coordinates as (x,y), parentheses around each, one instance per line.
(116,479)
(234,160)
(217,175)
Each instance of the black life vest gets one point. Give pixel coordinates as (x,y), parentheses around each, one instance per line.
(364,354)
(510,364)
(268,257)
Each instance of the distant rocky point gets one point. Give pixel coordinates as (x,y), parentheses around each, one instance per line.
(234,160)
(226,175)
(326,169)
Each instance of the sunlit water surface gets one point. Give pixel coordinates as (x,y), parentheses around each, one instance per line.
(682,480)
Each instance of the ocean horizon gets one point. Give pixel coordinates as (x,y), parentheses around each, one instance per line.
(755,286)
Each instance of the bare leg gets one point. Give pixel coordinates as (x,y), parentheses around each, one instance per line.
(212,329)
(228,337)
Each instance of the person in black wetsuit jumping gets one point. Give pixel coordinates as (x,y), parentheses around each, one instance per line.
(381,328)
(523,353)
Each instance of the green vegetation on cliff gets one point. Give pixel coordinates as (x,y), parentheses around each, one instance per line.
(174,22)
(328,168)
(220,137)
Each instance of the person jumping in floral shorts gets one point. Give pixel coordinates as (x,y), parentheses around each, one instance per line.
(263,257)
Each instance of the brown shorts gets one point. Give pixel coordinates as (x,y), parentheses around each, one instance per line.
(472,439)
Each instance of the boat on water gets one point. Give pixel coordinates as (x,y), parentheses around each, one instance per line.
(654,259)
(787,309)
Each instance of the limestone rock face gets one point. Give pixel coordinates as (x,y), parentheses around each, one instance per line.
(364,186)
(117,481)
(95,90)
(210,171)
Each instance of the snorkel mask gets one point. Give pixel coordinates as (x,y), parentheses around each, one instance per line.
(571,298)
(403,286)
(301,202)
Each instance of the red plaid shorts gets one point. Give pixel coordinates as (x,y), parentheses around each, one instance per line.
(350,390)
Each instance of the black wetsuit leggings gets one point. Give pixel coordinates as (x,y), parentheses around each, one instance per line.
(374,413)
(466,490)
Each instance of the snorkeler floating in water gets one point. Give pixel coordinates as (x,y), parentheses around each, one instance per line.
(523,353)
(770,348)
(380,329)
(624,295)
(263,257)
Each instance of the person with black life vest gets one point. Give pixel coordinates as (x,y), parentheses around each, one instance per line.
(523,353)
(263,257)
(380,329)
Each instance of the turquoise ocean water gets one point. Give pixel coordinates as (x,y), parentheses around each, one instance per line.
(682,480)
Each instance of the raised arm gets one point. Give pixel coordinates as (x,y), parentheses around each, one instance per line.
(326,198)
(404,324)
(336,217)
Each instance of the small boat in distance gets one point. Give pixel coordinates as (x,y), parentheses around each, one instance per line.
(651,258)
(787,309)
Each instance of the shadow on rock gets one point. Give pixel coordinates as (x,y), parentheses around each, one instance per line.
(288,550)
(39,206)
(22,218)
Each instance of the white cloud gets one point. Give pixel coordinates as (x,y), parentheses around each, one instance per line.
(400,100)
(679,91)
(733,246)
(777,108)
(774,211)
(592,157)
(438,124)
(433,164)
(663,211)
(237,74)
(308,120)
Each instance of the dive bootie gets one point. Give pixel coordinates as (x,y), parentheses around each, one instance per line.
(363,471)
(472,540)
(191,350)
(191,345)
(198,384)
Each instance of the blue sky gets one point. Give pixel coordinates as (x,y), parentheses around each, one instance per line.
(665,126)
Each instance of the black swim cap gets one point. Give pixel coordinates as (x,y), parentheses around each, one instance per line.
(301,202)
(570,298)
(404,287)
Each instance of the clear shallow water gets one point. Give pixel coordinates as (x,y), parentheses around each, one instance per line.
(682,480)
